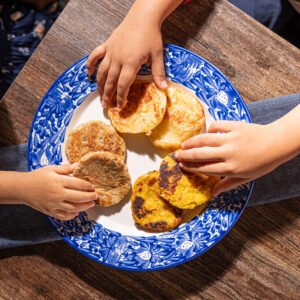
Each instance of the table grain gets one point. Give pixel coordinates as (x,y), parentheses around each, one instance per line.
(258,259)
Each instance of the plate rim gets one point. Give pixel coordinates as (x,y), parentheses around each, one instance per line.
(137,268)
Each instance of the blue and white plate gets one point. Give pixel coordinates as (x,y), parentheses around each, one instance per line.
(108,235)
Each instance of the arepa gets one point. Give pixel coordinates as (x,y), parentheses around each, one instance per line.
(149,210)
(93,136)
(183,189)
(144,109)
(108,173)
(183,119)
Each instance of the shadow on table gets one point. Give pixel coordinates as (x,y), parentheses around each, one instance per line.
(186,22)
(180,282)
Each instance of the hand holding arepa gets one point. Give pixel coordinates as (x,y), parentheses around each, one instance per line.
(240,152)
(51,191)
(131,45)
(135,42)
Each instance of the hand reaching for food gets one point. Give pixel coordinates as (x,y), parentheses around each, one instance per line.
(49,190)
(239,151)
(135,42)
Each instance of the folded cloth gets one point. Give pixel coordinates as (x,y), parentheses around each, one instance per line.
(21,225)
(283,182)
(14,158)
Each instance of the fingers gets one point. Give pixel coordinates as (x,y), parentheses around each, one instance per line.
(78,184)
(62,169)
(64,216)
(215,168)
(126,79)
(199,154)
(94,57)
(223,126)
(111,84)
(102,74)
(71,207)
(80,197)
(204,139)
(158,69)
(69,210)
(227,184)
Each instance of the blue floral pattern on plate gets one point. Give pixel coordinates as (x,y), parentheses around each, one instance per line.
(140,253)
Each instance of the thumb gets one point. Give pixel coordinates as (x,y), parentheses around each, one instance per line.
(63,169)
(228,183)
(158,69)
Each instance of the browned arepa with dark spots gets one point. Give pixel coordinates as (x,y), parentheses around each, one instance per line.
(150,211)
(183,189)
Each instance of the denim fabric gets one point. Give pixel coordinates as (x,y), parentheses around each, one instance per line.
(284,182)
(24,226)
(278,15)
(14,158)
(21,225)
(266,12)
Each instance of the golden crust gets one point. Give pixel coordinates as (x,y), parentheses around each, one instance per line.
(145,108)
(93,136)
(108,173)
(182,189)
(149,210)
(183,119)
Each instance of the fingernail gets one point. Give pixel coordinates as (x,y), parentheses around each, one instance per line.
(74,165)
(214,194)
(93,204)
(185,165)
(164,84)
(96,197)
(183,145)
(92,77)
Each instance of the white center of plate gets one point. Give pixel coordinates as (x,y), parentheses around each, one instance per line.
(142,157)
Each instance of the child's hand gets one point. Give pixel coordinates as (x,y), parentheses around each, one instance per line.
(51,191)
(243,152)
(135,42)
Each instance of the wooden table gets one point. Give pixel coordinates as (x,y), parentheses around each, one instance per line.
(258,259)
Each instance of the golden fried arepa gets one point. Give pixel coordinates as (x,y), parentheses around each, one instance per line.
(144,110)
(183,119)
(108,173)
(149,210)
(93,136)
(182,189)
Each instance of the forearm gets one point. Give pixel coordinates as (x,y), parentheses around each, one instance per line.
(286,131)
(11,187)
(155,11)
